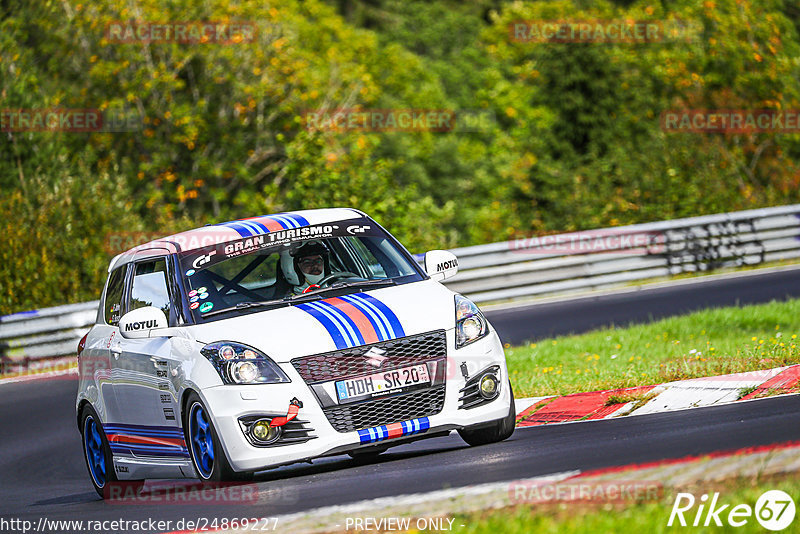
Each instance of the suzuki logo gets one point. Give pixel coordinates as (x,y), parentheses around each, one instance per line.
(375,356)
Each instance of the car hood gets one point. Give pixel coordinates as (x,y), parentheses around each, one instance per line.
(371,316)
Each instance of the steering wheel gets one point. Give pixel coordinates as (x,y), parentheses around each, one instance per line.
(334,276)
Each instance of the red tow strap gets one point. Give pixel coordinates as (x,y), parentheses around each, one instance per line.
(294,407)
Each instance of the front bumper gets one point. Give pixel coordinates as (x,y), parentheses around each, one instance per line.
(229,403)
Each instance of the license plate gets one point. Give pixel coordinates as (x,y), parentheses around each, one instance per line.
(384,382)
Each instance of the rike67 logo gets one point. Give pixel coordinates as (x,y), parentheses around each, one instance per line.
(774,510)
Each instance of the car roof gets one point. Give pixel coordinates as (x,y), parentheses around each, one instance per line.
(232,230)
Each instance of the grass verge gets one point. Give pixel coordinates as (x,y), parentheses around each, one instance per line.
(643,516)
(706,343)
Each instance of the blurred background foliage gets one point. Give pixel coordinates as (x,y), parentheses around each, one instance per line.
(576,142)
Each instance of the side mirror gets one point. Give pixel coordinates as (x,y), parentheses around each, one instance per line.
(145,322)
(440,264)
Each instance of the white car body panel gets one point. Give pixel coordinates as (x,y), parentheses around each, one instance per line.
(140,383)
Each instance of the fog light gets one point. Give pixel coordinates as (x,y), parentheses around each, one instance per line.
(263,432)
(488,386)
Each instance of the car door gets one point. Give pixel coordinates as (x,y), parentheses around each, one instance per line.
(102,347)
(142,378)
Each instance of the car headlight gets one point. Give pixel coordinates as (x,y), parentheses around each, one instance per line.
(240,364)
(471,325)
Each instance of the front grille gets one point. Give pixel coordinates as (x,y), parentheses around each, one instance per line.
(348,418)
(350,362)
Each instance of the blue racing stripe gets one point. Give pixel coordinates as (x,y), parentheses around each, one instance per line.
(278,220)
(299,219)
(142,430)
(249,228)
(149,451)
(345,320)
(145,433)
(380,433)
(243,231)
(287,222)
(347,332)
(383,311)
(336,334)
(373,318)
(374,313)
(147,448)
(256,227)
(142,427)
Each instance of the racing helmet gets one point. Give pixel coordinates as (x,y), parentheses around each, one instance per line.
(290,263)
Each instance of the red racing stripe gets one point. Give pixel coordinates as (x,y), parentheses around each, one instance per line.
(271,224)
(362,322)
(395,430)
(125,438)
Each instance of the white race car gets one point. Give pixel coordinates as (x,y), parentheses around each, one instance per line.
(256,343)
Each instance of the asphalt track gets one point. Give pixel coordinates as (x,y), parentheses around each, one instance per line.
(43,475)
(528,323)
(43,471)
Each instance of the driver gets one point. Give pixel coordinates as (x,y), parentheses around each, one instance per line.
(311,263)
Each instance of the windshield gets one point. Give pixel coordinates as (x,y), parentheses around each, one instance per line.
(285,267)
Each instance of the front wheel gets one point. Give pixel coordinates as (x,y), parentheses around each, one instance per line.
(96,451)
(498,431)
(205,449)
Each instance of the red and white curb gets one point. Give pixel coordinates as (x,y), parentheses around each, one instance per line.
(670,396)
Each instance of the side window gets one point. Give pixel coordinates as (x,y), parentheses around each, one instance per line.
(113,301)
(150,286)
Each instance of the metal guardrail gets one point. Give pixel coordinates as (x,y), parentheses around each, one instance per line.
(520,268)
(528,267)
(40,334)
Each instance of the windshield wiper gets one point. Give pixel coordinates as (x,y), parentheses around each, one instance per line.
(246,305)
(344,285)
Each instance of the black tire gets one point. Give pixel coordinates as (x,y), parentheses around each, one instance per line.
(90,422)
(497,431)
(213,468)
